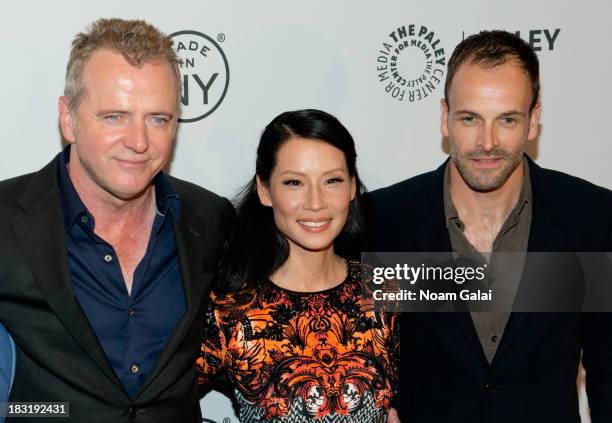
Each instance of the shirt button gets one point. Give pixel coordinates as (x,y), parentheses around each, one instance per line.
(135,368)
(134,412)
(84,219)
(108,258)
(494,338)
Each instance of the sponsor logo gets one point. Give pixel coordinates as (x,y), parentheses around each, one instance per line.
(411,63)
(204,73)
(538,39)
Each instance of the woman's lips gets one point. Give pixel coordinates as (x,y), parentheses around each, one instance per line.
(318,225)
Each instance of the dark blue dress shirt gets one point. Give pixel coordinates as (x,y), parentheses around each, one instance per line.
(132,329)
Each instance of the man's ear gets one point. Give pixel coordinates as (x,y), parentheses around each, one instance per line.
(444,117)
(534,122)
(263,192)
(66,119)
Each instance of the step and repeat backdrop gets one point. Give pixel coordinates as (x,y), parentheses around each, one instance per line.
(378,66)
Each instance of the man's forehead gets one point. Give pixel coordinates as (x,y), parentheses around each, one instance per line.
(473,78)
(473,65)
(109,68)
(109,79)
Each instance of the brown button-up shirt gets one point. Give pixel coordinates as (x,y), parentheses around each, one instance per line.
(505,273)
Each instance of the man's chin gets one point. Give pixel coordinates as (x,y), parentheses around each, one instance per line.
(128,193)
(484,181)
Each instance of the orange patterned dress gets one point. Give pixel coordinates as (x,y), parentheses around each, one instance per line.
(302,357)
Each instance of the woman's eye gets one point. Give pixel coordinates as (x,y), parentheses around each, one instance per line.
(292,182)
(334,180)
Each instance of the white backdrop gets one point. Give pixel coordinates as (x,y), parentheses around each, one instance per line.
(284,55)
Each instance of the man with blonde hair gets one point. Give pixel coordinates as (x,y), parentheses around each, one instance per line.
(106,260)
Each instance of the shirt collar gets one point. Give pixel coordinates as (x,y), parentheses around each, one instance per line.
(451,213)
(71,202)
(166,199)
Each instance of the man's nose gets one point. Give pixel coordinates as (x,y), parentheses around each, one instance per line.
(488,138)
(137,139)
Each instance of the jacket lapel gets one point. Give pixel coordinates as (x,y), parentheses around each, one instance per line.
(433,237)
(41,233)
(544,236)
(190,241)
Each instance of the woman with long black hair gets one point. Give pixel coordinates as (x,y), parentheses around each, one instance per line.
(289,322)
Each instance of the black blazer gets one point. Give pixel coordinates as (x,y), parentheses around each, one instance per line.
(59,357)
(444,375)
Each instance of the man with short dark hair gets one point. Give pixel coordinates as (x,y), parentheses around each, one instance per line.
(488,198)
(106,260)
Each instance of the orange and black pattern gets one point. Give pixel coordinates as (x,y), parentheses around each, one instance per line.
(296,357)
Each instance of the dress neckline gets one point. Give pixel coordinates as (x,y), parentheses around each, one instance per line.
(349,276)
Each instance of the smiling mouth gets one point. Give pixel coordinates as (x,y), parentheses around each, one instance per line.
(314,224)
(132,162)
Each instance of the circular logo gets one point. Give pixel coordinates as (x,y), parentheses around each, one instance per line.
(411,63)
(204,74)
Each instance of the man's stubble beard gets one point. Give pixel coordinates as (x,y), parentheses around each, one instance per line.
(486,180)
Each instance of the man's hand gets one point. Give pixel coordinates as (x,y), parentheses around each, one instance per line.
(393,417)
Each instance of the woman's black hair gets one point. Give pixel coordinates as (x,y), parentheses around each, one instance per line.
(258,247)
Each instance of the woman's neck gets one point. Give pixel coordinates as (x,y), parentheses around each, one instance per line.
(310,271)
